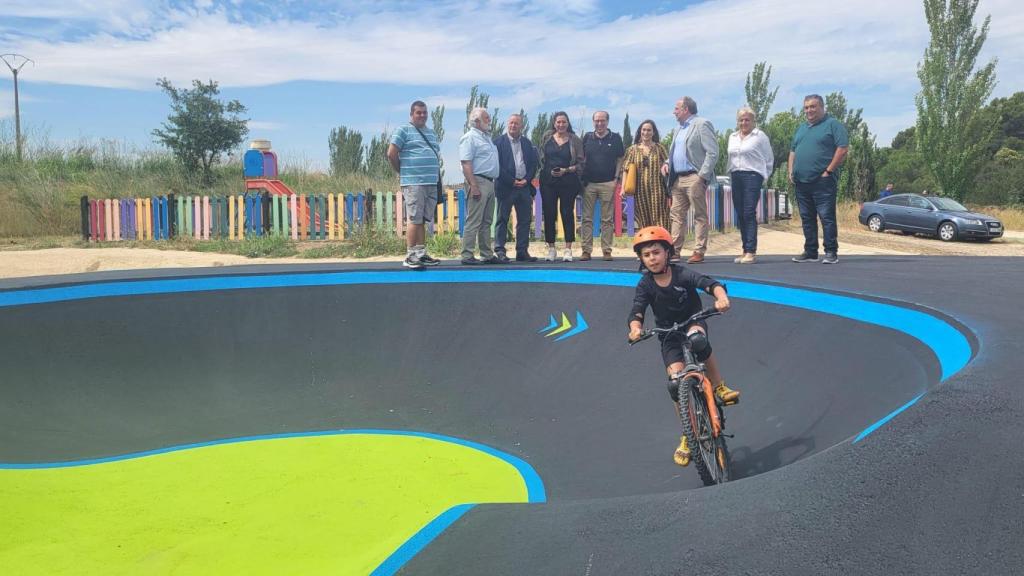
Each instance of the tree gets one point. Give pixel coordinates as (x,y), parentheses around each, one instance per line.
(861,164)
(860,138)
(759,98)
(722,164)
(627,132)
(950,133)
(201,127)
(780,130)
(437,119)
(346,149)
(542,126)
(479,99)
(377,164)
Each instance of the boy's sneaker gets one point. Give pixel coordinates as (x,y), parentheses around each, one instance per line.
(727,395)
(831,258)
(806,257)
(552,255)
(428,260)
(682,453)
(412,262)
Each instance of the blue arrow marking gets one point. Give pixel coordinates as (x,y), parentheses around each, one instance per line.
(553,324)
(581,325)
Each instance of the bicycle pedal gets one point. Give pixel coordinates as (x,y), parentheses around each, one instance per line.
(727,435)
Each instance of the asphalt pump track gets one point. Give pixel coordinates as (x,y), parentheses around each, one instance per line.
(468,421)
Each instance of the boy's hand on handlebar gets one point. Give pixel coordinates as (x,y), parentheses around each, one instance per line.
(635,334)
(722,304)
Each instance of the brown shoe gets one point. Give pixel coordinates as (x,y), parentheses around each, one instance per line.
(585,257)
(695,258)
(607,255)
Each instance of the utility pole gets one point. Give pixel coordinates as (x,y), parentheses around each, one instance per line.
(12,63)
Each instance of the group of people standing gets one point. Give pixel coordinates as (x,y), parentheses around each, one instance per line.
(668,181)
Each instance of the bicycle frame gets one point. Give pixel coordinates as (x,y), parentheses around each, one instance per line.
(696,370)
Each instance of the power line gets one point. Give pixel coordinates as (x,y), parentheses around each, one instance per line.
(12,63)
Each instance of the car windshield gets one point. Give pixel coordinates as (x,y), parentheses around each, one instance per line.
(948,204)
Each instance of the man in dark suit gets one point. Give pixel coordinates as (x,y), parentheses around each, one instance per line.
(517,162)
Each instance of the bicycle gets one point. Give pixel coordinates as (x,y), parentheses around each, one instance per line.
(699,409)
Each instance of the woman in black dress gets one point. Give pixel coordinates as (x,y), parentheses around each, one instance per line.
(561,163)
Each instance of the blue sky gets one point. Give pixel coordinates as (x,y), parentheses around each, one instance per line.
(302,68)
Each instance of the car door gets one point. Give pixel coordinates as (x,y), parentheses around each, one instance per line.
(895,212)
(920,215)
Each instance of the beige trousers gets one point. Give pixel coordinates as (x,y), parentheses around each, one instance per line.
(603,192)
(689,191)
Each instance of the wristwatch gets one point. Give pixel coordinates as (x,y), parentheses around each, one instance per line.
(828,172)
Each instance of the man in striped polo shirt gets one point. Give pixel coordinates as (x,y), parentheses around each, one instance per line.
(414,154)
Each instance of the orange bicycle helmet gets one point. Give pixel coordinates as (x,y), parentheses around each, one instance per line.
(652,234)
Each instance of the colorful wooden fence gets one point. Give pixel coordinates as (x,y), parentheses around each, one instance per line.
(334,216)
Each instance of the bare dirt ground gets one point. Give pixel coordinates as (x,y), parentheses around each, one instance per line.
(779,238)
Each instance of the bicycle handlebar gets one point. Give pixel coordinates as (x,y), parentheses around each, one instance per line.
(702,315)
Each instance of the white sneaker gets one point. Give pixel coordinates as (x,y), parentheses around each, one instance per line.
(552,255)
(567,256)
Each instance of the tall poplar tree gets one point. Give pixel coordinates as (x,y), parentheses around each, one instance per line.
(759,96)
(952,135)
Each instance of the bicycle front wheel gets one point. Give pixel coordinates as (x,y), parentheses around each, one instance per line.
(709,453)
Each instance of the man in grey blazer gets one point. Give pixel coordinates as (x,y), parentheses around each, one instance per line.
(690,169)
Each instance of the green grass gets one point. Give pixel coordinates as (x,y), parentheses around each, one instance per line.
(40,195)
(365,243)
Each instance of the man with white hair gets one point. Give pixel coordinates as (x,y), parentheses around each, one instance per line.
(479,159)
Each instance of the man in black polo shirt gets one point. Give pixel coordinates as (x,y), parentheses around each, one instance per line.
(603,150)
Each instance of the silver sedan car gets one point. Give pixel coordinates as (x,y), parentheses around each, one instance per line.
(932,215)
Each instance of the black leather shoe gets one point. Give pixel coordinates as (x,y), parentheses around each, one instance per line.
(499,258)
(525,258)
(471,261)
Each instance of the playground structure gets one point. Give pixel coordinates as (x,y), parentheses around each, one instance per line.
(270,207)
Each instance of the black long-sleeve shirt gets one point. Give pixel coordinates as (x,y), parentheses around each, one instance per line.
(673,303)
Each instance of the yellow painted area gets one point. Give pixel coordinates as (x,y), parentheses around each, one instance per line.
(338,504)
(565,326)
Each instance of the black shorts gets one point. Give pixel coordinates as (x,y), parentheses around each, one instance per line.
(672,345)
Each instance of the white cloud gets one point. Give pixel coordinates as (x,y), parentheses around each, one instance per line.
(519,52)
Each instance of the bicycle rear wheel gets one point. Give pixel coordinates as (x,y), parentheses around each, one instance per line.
(709,454)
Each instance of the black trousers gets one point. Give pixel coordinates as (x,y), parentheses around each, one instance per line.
(558,195)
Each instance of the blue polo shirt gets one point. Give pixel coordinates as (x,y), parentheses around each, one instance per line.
(419,165)
(814,147)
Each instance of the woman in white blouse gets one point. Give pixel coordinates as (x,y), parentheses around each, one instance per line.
(750,163)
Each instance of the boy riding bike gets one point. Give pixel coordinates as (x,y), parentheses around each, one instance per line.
(671,292)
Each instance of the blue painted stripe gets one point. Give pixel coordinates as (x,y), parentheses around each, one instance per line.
(534,485)
(420,540)
(882,422)
(950,346)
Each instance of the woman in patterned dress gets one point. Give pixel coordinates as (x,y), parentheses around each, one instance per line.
(648,154)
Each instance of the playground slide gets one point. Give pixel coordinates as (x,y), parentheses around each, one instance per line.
(275,187)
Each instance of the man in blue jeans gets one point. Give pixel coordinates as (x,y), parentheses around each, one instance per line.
(819,147)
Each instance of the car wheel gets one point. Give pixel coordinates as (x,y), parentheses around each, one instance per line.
(947,231)
(875,223)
